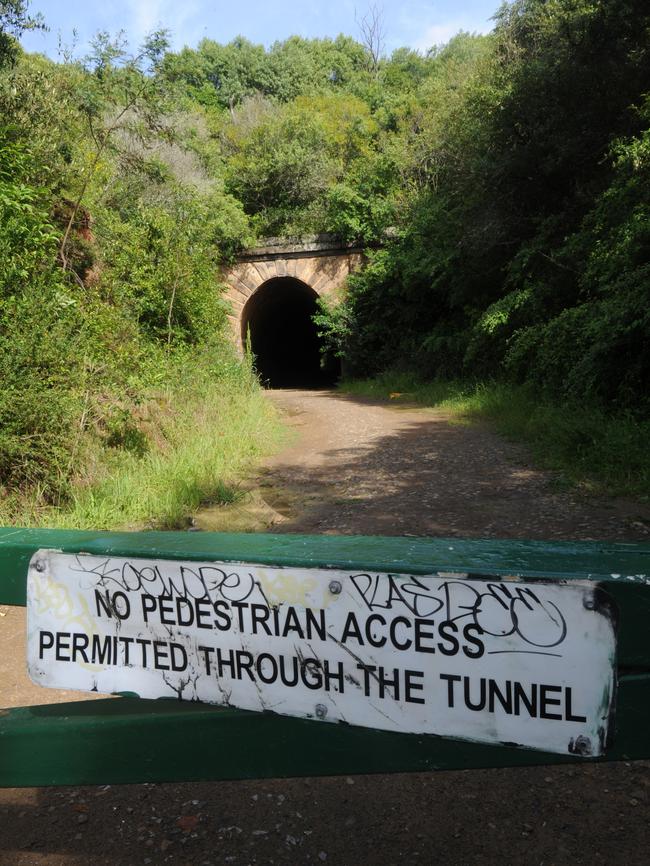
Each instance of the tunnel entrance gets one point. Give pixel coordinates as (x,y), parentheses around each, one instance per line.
(284,339)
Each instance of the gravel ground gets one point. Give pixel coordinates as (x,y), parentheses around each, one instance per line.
(358,466)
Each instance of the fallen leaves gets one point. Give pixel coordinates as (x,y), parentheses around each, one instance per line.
(187,823)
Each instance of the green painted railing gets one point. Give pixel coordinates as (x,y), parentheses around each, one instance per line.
(129,740)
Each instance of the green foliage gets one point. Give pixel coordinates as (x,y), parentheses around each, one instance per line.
(523,243)
(38,319)
(224,76)
(304,139)
(160,265)
(280,169)
(301,66)
(191,444)
(355,329)
(108,269)
(187,446)
(27,235)
(14,21)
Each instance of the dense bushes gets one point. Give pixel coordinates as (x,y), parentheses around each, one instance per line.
(523,251)
(109,282)
(39,320)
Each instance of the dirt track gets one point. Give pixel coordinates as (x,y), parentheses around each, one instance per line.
(360,467)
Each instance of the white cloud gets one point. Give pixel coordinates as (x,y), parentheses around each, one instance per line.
(421,25)
(147,15)
(436,34)
(182,19)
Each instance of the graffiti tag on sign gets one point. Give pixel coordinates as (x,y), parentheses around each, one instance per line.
(490,660)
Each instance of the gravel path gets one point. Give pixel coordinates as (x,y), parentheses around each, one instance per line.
(360,467)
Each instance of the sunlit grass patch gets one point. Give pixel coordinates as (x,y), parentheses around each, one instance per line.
(208,433)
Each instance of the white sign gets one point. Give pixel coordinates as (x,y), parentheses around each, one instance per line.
(489,660)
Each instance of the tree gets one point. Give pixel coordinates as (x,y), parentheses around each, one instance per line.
(14,21)
(280,169)
(120,102)
(373,35)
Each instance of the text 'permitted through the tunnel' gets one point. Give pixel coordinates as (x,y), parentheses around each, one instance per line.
(486,659)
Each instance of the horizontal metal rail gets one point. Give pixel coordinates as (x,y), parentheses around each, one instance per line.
(132,740)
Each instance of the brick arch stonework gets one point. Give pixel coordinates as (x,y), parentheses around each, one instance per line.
(321,265)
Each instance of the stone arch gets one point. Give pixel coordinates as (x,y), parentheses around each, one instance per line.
(275,288)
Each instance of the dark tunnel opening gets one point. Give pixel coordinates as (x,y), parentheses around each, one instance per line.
(284,338)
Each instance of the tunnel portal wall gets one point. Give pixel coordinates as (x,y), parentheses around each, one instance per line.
(323,272)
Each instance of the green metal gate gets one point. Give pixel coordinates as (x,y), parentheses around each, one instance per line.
(135,740)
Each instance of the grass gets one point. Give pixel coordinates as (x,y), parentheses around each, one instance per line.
(203,437)
(586,447)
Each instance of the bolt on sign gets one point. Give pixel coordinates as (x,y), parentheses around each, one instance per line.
(492,660)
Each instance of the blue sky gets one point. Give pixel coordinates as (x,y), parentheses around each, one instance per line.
(416,23)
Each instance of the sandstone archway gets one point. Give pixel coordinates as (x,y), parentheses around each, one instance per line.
(272,291)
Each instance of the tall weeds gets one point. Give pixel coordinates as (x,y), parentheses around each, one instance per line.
(202,433)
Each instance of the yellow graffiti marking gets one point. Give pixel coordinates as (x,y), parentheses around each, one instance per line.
(283,586)
(51,597)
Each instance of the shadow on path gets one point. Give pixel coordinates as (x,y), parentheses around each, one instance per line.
(364,467)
